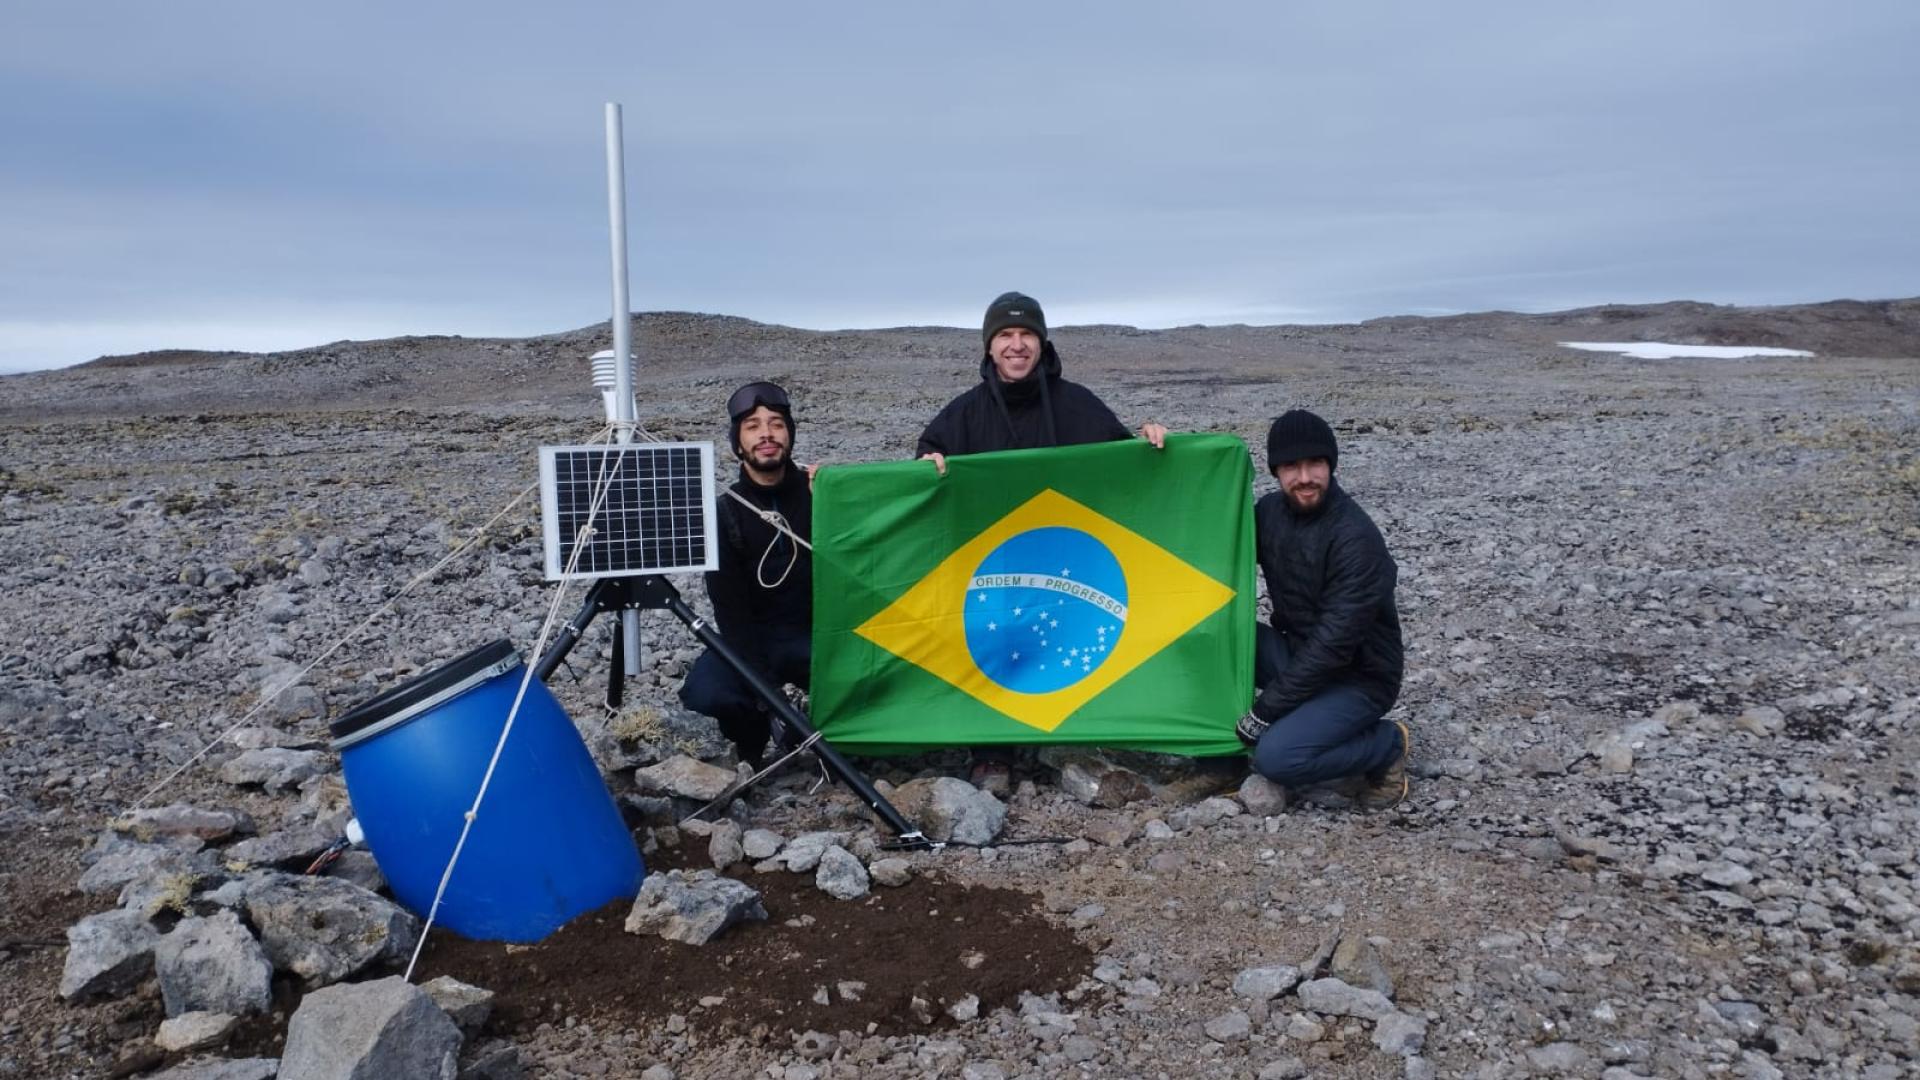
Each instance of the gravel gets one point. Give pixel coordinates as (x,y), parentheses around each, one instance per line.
(1663,627)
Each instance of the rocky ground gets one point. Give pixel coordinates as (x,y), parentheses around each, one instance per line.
(1663,623)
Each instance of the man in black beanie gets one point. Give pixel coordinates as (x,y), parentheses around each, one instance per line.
(1020,403)
(763,591)
(1328,667)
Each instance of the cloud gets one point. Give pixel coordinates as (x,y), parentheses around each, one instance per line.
(359,167)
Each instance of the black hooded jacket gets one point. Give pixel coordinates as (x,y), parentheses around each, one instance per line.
(1331,581)
(1040,410)
(749,614)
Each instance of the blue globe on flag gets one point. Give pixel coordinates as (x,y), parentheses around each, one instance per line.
(1045,609)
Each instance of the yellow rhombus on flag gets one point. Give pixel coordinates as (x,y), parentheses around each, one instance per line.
(926,626)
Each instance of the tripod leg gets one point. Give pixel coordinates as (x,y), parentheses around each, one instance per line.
(783,710)
(570,634)
(617,669)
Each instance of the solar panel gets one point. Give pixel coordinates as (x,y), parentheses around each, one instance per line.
(656,515)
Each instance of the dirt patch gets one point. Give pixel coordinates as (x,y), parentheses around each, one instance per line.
(933,940)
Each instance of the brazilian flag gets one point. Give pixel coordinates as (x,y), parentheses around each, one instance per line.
(1098,594)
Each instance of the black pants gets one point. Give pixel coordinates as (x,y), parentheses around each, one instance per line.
(714,689)
(1337,732)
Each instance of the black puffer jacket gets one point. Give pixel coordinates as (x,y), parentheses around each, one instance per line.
(1042,409)
(748,613)
(1332,582)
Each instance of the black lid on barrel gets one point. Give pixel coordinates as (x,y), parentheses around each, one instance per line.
(423,688)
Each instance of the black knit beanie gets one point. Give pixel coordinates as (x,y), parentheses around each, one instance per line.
(1297,435)
(1013,309)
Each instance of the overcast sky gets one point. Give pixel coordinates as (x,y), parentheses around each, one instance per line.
(262,176)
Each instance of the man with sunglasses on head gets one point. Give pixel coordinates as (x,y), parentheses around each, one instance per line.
(1020,403)
(762,593)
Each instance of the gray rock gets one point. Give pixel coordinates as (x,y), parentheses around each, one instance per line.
(376,1030)
(1725,874)
(272,767)
(300,702)
(1357,963)
(168,887)
(840,874)
(1230,1027)
(1266,983)
(965,1009)
(1262,797)
(122,862)
(1304,1028)
(1110,831)
(195,1031)
(213,965)
(179,820)
(801,855)
(758,844)
(1615,756)
(1400,1033)
(1079,1049)
(692,906)
(1762,720)
(1543,761)
(1562,1058)
(466,1005)
(279,609)
(1205,813)
(815,1045)
(296,846)
(358,868)
(1094,781)
(237,1069)
(324,929)
(1335,998)
(253,738)
(1744,1017)
(500,1060)
(1676,714)
(107,955)
(1283,1068)
(891,872)
(683,776)
(724,847)
(950,810)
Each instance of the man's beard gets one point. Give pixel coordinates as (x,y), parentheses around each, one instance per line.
(757,463)
(1318,493)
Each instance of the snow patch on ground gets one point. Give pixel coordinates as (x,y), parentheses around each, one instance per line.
(1660,350)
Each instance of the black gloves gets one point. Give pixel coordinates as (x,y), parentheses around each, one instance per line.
(1250,728)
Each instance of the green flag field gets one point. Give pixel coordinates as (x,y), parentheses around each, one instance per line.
(1098,594)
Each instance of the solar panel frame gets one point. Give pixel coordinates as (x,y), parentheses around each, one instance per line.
(657,517)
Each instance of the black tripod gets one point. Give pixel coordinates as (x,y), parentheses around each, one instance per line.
(618,594)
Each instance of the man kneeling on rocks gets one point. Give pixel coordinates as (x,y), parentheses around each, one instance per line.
(1329,666)
(762,593)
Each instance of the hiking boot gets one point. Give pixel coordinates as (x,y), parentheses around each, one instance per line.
(1385,789)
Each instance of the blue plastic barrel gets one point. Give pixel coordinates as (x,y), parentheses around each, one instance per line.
(548,843)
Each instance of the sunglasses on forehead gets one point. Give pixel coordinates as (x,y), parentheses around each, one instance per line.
(753,395)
